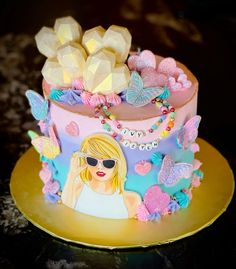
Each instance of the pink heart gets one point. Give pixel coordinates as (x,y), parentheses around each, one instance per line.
(72,129)
(168,67)
(45,174)
(151,78)
(51,187)
(174,85)
(142,168)
(156,200)
(145,59)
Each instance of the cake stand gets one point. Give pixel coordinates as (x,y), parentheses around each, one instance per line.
(209,201)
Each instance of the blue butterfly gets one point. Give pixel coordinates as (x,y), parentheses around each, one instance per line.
(137,95)
(39,106)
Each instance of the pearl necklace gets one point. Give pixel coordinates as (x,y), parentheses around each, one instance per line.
(168,113)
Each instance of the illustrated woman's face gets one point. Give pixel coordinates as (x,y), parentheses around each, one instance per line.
(100,169)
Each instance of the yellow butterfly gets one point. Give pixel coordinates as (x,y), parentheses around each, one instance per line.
(46,146)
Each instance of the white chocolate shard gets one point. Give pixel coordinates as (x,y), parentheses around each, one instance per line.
(67,29)
(103,75)
(118,40)
(93,39)
(57,75)
(47,42)
(72,56)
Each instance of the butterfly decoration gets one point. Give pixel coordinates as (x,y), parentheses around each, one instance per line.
(155,202)
(39,106)
(188,133)
(46,146)
(171,172)
(139,96)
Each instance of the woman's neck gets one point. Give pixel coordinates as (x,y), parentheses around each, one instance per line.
(101,187)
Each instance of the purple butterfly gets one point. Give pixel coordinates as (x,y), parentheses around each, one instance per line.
(188,133)
(172,172)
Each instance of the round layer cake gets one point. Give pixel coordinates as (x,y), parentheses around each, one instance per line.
(127,151)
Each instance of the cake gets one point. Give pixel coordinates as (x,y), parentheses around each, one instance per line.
(117,128)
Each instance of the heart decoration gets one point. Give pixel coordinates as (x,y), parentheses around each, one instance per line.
(151,78)
(72,128)
(168,66)
(51,187)
(45,174)
(143,60)
(155,199)
(143,168)
(103,75)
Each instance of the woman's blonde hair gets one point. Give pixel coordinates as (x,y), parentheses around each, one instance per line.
(103,146)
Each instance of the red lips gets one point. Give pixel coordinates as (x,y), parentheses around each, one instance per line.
(101,174)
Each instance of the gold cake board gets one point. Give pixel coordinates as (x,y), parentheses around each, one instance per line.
(209,201)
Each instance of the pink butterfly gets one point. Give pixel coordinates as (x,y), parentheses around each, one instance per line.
(171,172)
(189,132)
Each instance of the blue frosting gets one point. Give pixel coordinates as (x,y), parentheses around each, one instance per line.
(182,199)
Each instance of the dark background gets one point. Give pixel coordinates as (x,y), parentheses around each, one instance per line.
(200,34)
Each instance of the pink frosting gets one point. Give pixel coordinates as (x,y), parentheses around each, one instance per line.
(196,181)
(86,96)
(97,99)
(45,173)
(113,99)
(78,84)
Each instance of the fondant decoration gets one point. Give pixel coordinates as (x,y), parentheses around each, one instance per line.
(72,128)
(45,173)
(71,97)
(172,172)
(103,75)
(137,95)
(155,201)
(157,158)
(116,39)
(39,106)
(194,147)
(151,78)
(182,199)
(143,167)
(172,207)
(196,164)
(47,42)
(95,180)
(177,80)
(46,146)
(53,198)
(189,132)
(55,94)
(72,57)
(196,182)
(143,60)
(51,187)
(67,29)
(188,192)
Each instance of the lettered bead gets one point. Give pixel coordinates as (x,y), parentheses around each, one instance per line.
(126,143)
(155,144)
(133,145)
(139,134)
(132,133)
(125,131)
(148,146)
(141,147)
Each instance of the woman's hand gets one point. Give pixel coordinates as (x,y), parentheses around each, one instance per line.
(75,167)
